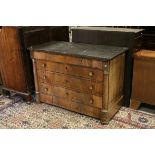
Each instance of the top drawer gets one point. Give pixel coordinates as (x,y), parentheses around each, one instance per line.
(72,60)
(73,70)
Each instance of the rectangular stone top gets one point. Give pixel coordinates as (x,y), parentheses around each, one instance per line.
(101,52)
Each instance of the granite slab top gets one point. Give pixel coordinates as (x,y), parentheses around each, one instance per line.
(101,52)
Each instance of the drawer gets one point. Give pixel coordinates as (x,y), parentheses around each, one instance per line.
(80,108)
(74,70)
(68,59)
(70,95)
(46,98)
(77,84)
(70,105)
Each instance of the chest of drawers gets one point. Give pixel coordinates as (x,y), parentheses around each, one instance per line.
(87,79)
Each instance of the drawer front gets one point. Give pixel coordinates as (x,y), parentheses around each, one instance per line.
(77,84)
(70,70)
(46,98)
(73,106)
(87,110)
(70,95)
(68,59)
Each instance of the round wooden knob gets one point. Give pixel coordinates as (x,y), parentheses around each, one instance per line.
(43,65)
(46,89)
(90,73)
(44,77)
(91,101)
(91,87)
(105,66)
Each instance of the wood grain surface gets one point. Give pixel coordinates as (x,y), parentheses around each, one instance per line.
(143,84)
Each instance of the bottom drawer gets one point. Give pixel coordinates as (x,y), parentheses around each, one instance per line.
(69,105)
(46,98)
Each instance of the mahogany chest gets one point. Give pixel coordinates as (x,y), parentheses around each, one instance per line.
(123,37)
(83,78)
(15,62)
(143,84)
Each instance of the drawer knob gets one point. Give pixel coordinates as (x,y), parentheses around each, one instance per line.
(46,89)
(91,101)
(105,66)
(90,73)
(43,65)
(91,87)
(44,77)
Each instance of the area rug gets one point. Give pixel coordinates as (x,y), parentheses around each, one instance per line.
(17,114)
(5,102)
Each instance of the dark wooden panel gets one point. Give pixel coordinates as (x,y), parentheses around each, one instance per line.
(149,41)
(123,37)
(35,37)
(38,35)
(149,37)
(59,33)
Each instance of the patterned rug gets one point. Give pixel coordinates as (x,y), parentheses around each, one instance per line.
(16,114)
